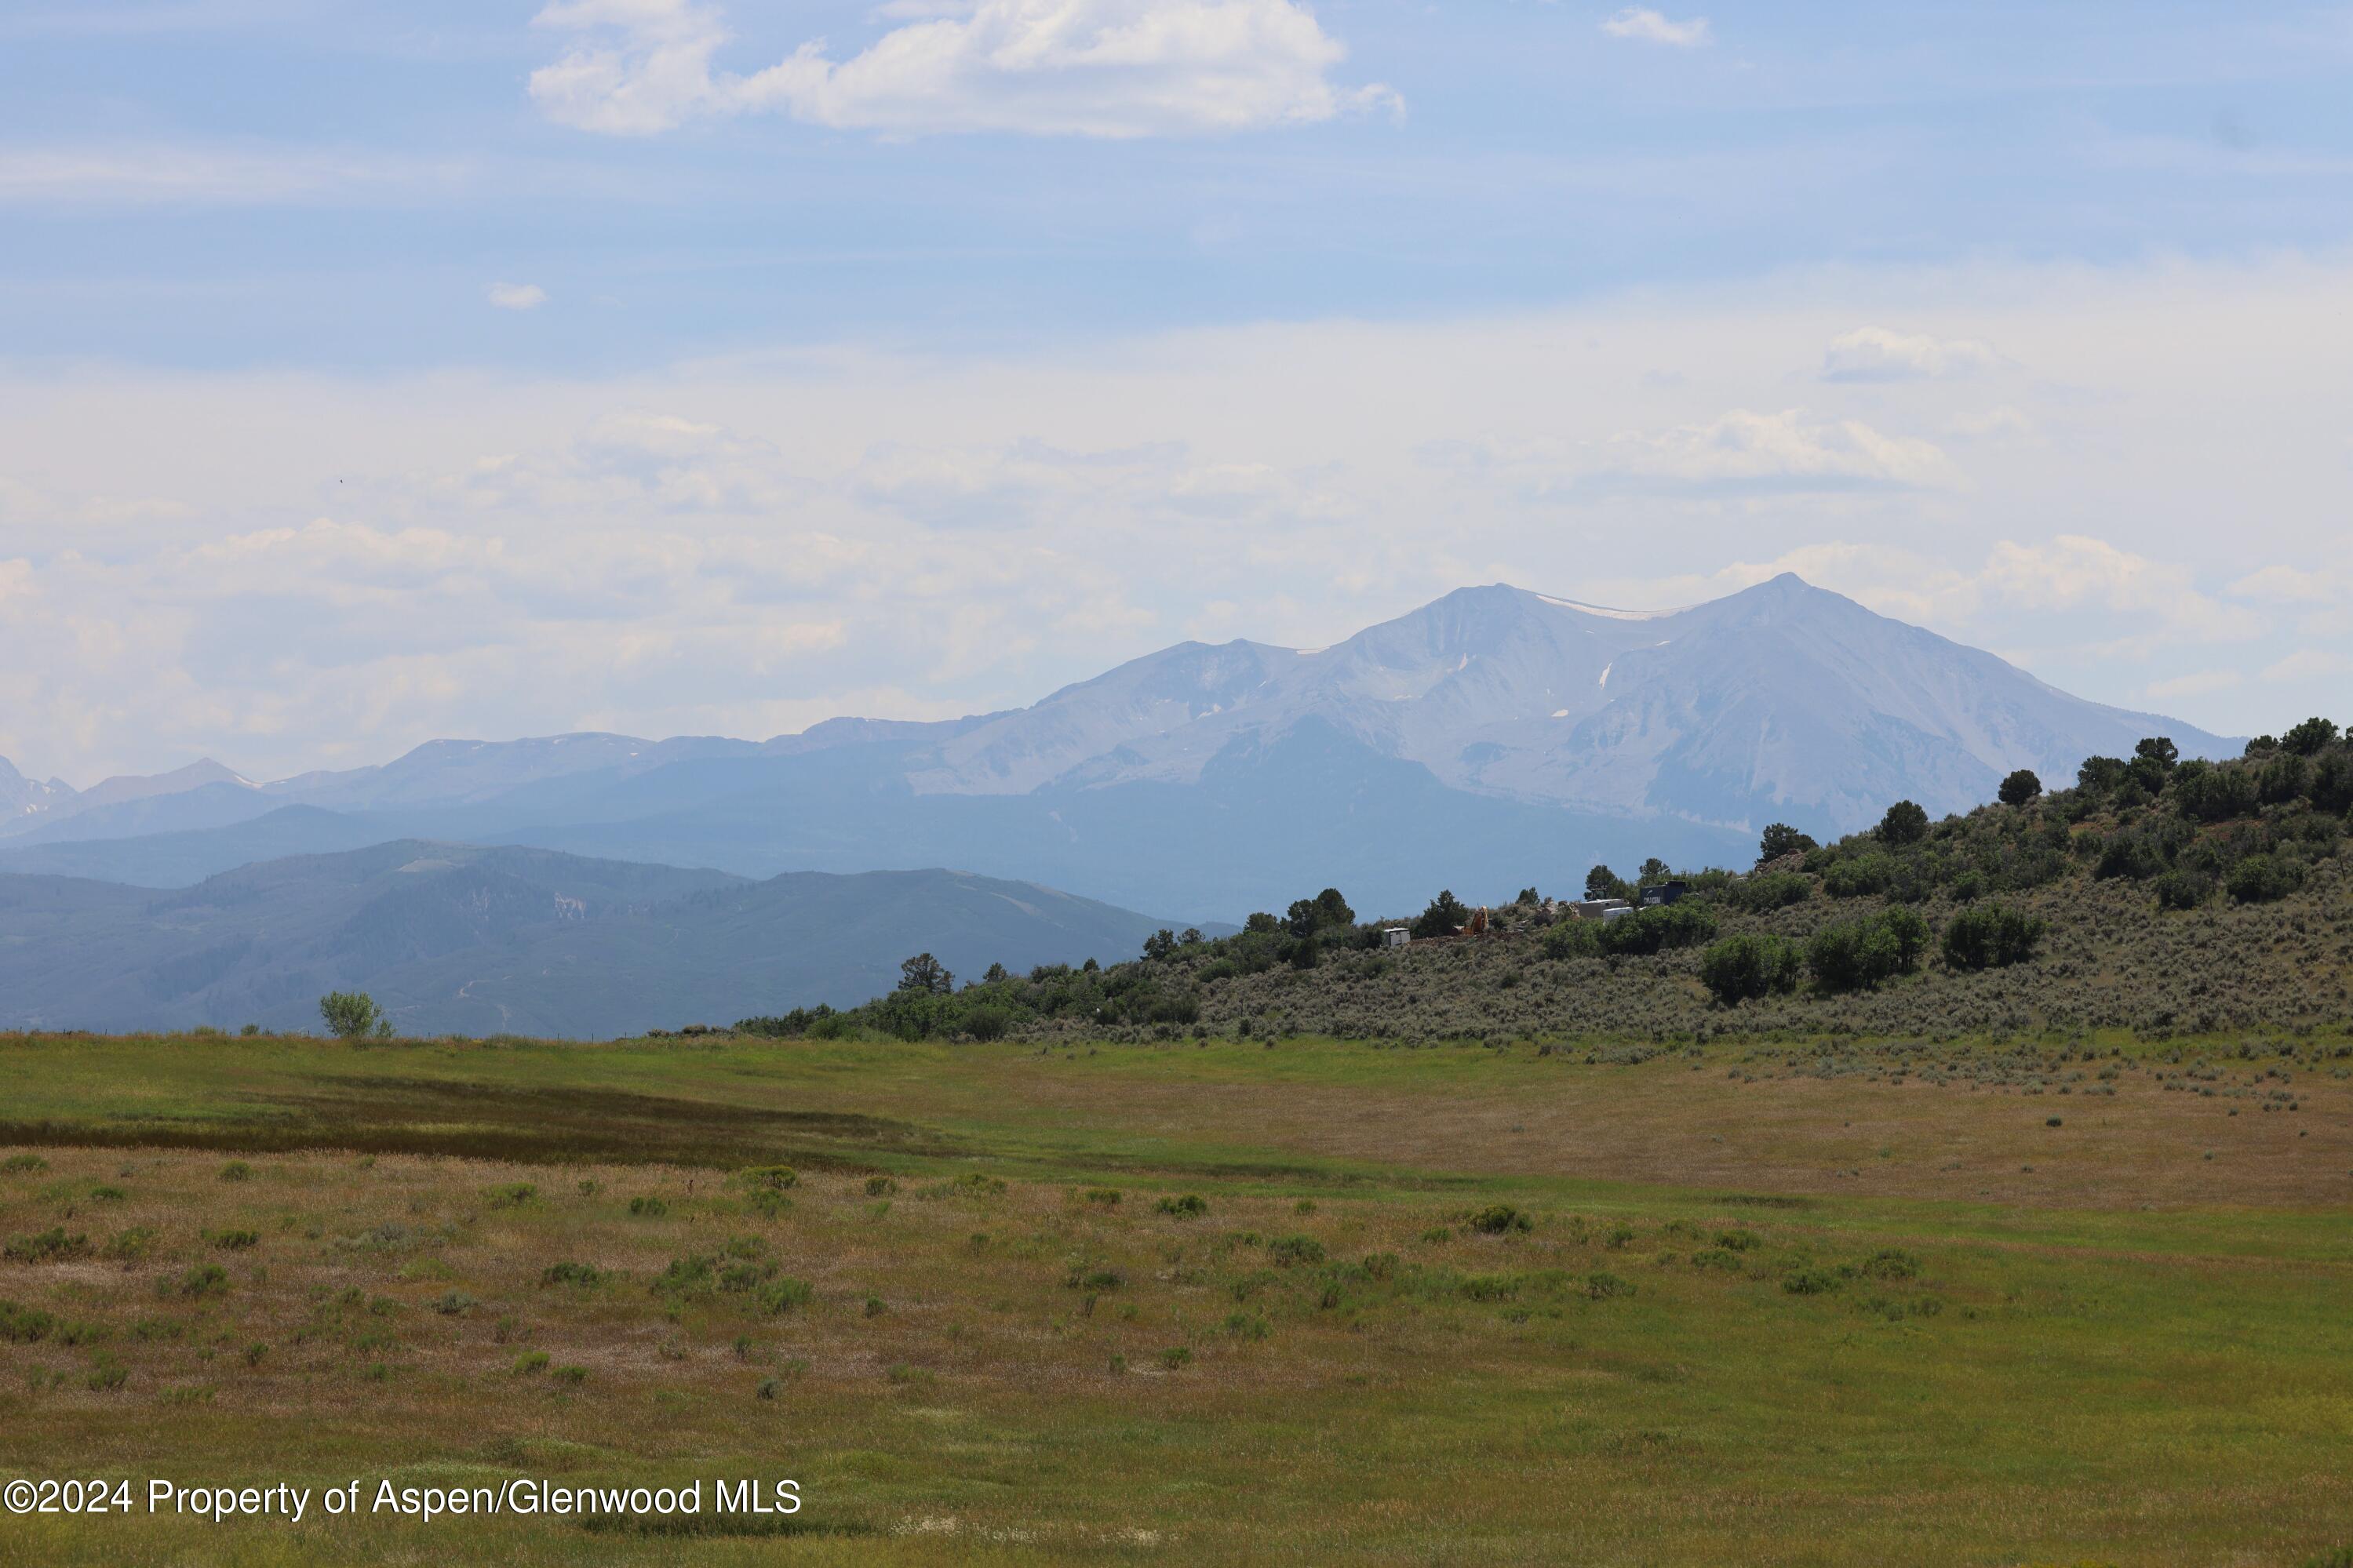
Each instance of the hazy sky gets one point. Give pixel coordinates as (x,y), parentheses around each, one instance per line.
(373,371)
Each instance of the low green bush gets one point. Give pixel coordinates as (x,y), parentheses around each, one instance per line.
(1773,890)
(783,1294)
(54,1245)
(1294,1249)
(24,1325)
(1863,954)
(1991,937)
(1497,1219)
(1750,966)
(1684,924)
(2264,879)
(205,1279)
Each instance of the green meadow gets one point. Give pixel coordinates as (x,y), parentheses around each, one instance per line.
(1980,1302)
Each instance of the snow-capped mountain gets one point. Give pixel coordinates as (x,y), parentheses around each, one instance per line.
(22,798)
(1489,739)
(1780,700)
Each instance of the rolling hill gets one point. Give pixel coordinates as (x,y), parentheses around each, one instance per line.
(458,939)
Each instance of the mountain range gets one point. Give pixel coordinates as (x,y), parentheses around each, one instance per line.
(458,939)
(1492,739)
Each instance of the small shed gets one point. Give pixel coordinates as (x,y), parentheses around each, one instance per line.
(1665,893)
(1395,936)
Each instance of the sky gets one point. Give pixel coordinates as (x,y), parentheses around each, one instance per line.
(372,372)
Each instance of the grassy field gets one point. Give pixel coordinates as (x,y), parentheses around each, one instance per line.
(1978,1302)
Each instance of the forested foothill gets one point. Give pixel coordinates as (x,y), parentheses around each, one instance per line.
(2154,893)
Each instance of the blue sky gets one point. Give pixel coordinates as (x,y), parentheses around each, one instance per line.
(377,372)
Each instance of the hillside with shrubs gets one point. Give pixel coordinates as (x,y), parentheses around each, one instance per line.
(2152,893)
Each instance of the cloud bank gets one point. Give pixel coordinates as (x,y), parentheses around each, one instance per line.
(1875,354)
(1641,23)
(292,571)
(1119,69)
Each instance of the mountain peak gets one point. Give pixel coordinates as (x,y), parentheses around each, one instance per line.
(1782,595)
(1781,585)
(21,797)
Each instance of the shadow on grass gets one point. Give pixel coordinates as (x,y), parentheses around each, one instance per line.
(527,1126)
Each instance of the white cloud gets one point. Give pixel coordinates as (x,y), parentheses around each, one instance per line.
(182,174)
(2073,571)
(1046,68)
(1875,354)
(1030,484)
(1998,424)
(2306,664)
(1741,454)
(517,296)
(1652,28)
(2199,683)
(1790,452)
(2292,586)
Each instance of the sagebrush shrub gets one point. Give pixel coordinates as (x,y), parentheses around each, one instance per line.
(51,1245)
(205,1279)
(1295,1249)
